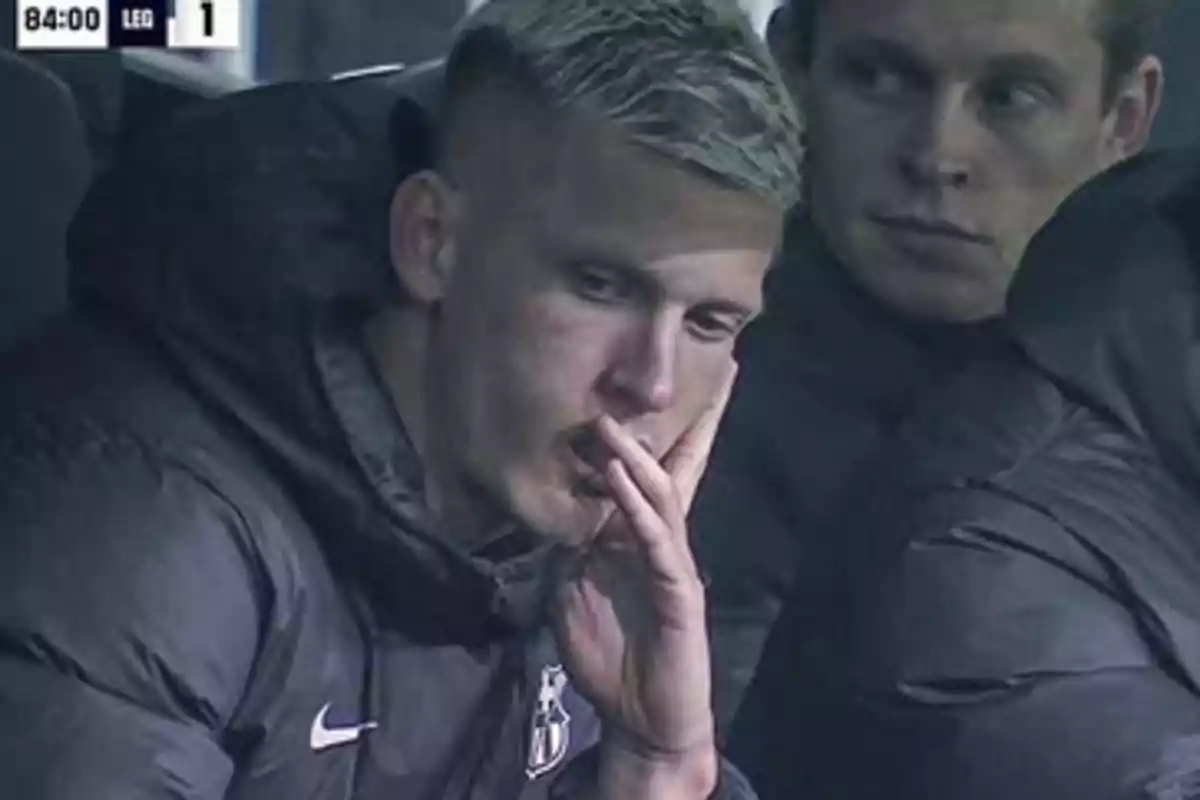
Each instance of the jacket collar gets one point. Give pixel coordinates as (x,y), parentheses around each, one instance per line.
(825,329)
(403,557)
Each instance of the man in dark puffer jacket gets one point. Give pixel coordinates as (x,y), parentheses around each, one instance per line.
(942,135)
(1014,611)
(284,517)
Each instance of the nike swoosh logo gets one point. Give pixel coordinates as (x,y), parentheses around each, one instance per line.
(323,737)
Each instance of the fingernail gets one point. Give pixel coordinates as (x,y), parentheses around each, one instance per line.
(610,425)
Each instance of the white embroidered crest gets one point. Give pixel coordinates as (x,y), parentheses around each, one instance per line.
(550,726)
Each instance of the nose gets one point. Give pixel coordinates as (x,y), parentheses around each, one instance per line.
(941,148)
(643,376)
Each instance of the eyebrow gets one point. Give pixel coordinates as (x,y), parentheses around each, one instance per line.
(1027,64)
(1019,62)
(886,49)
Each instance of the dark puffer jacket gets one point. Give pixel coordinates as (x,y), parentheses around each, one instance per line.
(219,579)
(826,375)
(1010,607)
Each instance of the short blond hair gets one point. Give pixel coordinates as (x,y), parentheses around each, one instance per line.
(689,79)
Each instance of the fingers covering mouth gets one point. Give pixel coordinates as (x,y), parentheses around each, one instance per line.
(588,444)
(592,455)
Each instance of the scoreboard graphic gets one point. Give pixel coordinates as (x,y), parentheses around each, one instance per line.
(103,24)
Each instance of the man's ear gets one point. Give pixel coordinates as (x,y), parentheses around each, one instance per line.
(422,226)
(1134,108)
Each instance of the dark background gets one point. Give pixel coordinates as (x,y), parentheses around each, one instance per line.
(326,37)
(316,38)
(1179,121)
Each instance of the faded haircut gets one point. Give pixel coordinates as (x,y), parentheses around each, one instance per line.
(688,79)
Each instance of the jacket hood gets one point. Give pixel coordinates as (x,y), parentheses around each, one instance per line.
(245,216)
(246,239)
(1107,301)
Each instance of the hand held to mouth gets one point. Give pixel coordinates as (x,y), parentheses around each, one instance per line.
(630,621)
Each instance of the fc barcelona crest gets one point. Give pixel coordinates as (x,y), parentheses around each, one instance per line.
(550,726)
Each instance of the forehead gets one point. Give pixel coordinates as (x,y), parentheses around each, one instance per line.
(596,186)
(967,31)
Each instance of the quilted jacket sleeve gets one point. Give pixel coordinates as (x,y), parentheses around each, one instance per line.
(127,625)
(989,658)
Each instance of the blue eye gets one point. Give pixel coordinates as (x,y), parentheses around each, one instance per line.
(599,284)
(875,79)
(1014,99)
(878,78)
(714,326)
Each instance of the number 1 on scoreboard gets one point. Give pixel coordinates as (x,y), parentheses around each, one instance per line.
(206,24)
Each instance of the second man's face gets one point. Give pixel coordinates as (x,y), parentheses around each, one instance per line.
(943,134)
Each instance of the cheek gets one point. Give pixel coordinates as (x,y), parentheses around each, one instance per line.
(559,360)
(702,372)
(851,126)
(849,147)
(533,364)
(1057,149)
(1038,173)
(1048,160)
(550,332)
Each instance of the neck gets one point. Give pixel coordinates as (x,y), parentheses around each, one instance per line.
(400,342)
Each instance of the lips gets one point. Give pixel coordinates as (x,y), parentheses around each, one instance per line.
(592,454)
(589,448)
(588,456)
(929,226)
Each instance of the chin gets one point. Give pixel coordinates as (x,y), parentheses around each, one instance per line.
(969,294)
(959,302)
(562,515)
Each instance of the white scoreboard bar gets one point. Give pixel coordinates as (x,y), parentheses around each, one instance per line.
(101,24)
(205,25)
